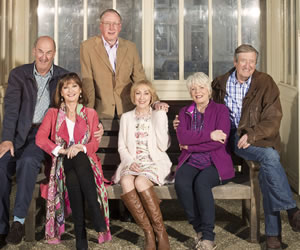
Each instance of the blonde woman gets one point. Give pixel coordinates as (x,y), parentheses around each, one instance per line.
(143,141)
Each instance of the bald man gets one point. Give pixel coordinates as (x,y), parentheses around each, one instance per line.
(27,98)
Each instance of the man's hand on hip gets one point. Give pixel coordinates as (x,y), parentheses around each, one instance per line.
(161,106)
(6,146)
(98,134)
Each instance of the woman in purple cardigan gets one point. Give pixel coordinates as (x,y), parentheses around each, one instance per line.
(205,160)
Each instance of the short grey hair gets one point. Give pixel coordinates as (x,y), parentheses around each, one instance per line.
(111,11)
(244,48)
(198,79)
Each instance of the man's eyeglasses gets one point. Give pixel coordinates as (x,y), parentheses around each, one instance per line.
(108,24)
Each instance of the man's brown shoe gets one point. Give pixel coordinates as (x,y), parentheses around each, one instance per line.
(295,221)
(273,242)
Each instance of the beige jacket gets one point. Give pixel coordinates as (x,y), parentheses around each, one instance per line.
(158,143)
(105,88)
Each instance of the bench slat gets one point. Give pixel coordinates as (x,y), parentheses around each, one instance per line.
(111,141)
(167,192)
(110,125)
(110,158)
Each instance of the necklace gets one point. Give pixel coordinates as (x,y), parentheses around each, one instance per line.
(202,108)
(140,114)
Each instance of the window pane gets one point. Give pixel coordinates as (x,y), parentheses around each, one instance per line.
(95,8)
(224,35)
(251,23)
(131,12)
(195,37)
(45,13)
(70,33)
(166,60)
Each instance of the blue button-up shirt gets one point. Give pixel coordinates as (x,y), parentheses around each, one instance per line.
(43,95)
(235,93)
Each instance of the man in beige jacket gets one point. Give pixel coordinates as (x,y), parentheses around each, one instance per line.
(109,67)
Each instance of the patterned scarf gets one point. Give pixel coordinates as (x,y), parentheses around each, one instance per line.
(58,204)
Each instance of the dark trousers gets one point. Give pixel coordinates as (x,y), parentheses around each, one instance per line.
(194,191)
(26,165)
(81,185)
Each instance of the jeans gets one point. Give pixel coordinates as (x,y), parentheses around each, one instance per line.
(194,191)
(273,183)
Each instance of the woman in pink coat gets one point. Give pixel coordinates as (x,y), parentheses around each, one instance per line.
(67,135)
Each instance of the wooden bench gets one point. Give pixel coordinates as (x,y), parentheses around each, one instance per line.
(241,188)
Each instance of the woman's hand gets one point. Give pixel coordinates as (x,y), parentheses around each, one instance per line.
(73,150)
(183,147)
(135,167)
(218,135)
(176,122)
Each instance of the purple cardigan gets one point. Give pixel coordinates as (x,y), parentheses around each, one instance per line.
(216,116)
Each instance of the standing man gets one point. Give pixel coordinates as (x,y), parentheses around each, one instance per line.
(109,67)
(27,98)
(252,98)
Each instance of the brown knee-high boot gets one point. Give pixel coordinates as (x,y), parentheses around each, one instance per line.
(151,205)
(133,203)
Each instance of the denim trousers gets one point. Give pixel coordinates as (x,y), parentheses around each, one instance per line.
(273,183)
(194,191)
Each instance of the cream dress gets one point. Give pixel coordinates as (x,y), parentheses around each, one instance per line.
(145,142)
(143,158)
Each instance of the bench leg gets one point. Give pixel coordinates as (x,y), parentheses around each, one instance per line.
(121,209)
(254,207)
(30,218)
(245,211)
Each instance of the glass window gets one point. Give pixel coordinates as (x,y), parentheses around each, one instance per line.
(166,59)
(251,23)
(45,12)
(195,37)
(70,33)
(95,8)
(224,35)
(131,12)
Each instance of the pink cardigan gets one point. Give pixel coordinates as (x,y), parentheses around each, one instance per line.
(158,143)
(48,128)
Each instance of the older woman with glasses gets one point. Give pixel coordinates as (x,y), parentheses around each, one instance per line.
(205,160)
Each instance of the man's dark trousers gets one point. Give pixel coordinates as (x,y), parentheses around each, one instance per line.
(26,165)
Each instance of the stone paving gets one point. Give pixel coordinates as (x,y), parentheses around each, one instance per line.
(231,234)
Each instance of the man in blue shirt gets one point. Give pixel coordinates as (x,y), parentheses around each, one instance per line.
(252,98)
(29,91)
